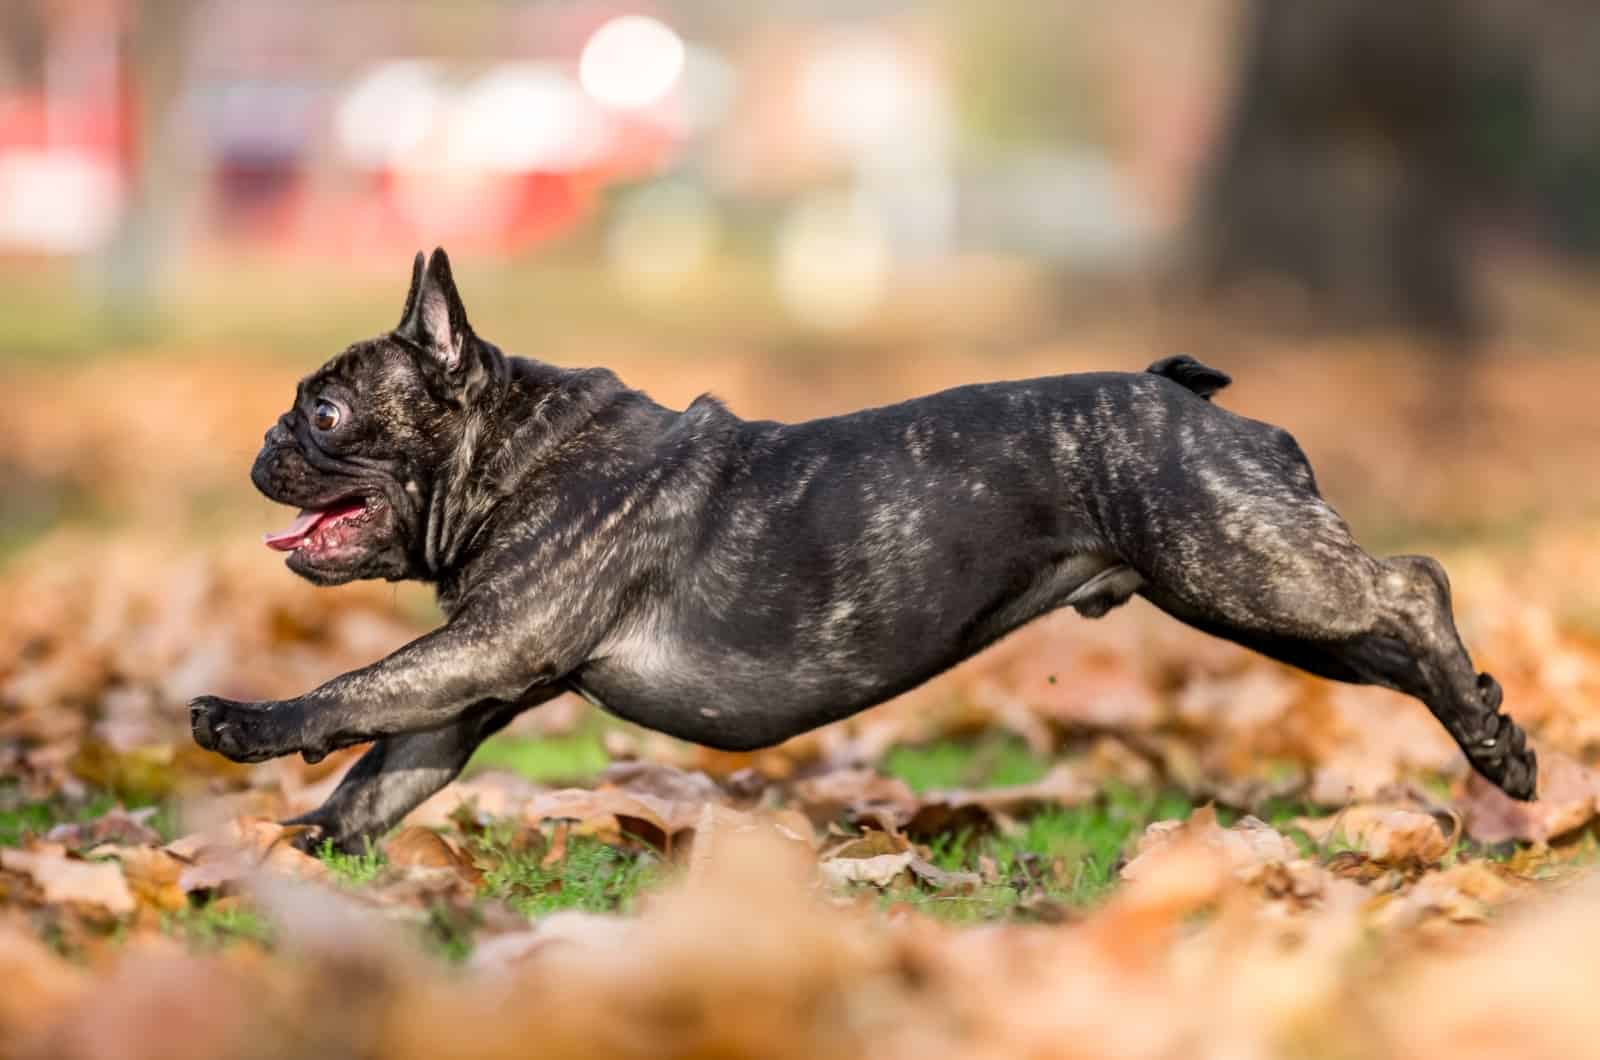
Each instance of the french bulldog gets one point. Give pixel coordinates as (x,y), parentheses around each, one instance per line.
(735,582)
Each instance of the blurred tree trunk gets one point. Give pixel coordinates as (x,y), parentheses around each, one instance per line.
(1342,170)
(128,271)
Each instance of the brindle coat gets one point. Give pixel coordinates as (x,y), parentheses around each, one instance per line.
(735,583)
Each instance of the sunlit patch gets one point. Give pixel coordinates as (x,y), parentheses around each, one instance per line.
(660,238)
(631,62)
(833,260)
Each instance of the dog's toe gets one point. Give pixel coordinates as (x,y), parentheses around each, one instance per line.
(243,732)
(1501,753)
(1489,692)
(203,721)
(1522,775)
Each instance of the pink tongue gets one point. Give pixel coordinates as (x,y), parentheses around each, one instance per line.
(289,538)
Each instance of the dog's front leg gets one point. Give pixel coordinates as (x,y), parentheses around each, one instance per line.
(398,772)
(434,681)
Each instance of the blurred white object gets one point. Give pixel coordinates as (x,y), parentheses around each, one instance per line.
(388,114)
(660,237)
(876,101)
(62,202)
(515,118)
(833,260)
(521,117)
(631,62)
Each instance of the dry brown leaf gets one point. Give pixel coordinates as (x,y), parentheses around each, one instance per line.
(70,881)
(153,875)
(117,826)
(1569,798)
(413,847)
(876,858)
(39,983)
(792,824)
(862,793)
(614,812)
(566,928)
(711,831)
(244,846)
(958,882)
(1389,835)
(1463,893)
(1246,849)
(669,784)
(557,852)
(943,811)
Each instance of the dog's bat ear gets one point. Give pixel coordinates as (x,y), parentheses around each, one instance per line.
(411,293)
(435,319)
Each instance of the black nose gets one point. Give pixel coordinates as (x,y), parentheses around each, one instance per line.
(278,433)
(261,470)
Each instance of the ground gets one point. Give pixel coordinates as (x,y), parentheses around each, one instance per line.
(1107,838)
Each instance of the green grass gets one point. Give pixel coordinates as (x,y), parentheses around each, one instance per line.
(352,870)
(996,760)
(215,927)
(593,877)
(1067,856)
(20,816)
(37,818)
(574,756)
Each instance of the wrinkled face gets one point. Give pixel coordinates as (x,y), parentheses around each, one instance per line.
(352,454)
(361,449)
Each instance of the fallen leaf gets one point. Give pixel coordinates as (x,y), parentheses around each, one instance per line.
(1569,798)
(1389,835)
(1463,893)
(653,819)
(39,983)
(858,793)
(876,858)
(565,928)
(117,826)
(956,882)
(243,846)
(413,847)
(557,852)
(68,880)
(153,875)
(1246,848)
(947,811)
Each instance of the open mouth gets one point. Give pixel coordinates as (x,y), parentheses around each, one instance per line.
(322,530)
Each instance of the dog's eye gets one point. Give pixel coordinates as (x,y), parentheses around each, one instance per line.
(325,417)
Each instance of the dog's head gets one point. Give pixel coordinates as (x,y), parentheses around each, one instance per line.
(369,442)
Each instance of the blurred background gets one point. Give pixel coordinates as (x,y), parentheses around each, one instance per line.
(1382,218)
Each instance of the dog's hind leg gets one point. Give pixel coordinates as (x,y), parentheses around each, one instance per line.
(1436,669)
(396,775)
(1352,617)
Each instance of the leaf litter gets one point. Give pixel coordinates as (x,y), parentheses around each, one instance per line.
(1380,901)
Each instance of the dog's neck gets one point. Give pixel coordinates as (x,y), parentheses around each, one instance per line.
(524,412)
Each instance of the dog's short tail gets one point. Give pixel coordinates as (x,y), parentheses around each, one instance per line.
(1188,372)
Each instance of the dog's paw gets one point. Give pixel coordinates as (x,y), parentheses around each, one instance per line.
(311,836)
(320,829)
(243,732)
(1501,752)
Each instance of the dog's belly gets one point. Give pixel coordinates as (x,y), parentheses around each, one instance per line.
(660,676)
